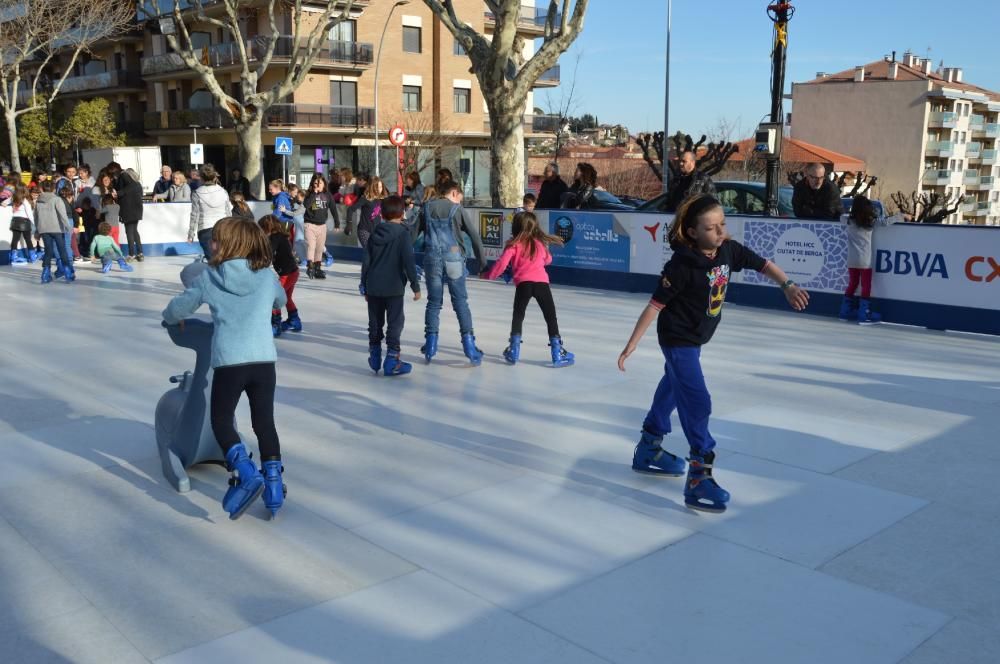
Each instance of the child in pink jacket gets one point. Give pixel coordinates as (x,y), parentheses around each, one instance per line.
(527,254)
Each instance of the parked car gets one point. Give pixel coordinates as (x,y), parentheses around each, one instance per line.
(602,200)
(737,198)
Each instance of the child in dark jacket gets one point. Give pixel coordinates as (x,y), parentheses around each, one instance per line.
(283,260)
(388,264)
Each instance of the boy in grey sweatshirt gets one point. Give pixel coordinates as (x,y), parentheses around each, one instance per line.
(52,224)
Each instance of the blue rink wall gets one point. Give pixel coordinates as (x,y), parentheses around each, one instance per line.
(939,277)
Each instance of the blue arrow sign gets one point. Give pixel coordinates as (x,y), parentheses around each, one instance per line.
(283,145)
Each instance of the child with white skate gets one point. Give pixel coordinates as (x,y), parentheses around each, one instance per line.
(860,226)
(527,254)
(107,250)
(687,306)
(241,290)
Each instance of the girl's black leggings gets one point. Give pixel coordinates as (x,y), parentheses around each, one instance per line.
(543,295)
(132,238)
(16,237)
(228,384)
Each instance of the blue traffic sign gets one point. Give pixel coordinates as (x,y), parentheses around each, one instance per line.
(283,145)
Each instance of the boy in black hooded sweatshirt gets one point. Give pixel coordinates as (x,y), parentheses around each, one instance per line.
(388,264)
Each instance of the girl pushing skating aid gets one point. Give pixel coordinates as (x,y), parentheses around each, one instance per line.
(687,306)
(528,254)
(241,290)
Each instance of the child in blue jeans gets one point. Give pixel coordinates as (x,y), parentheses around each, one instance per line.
(241,290)
(687,306)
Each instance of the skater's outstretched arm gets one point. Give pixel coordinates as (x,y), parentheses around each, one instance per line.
(797,297)
(646,319)
(185,304)
(500,265)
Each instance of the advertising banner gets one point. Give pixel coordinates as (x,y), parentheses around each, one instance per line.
(957,266)
(593,241)
(812,253)
(491,230)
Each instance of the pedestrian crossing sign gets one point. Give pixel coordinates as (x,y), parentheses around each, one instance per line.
(283,145)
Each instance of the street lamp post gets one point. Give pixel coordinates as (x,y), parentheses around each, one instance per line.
(666,105)
(378,60)
(45,85)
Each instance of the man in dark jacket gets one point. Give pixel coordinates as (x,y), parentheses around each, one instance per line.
(130,200)
(239,185)
(690,183)
(551,192)
(387,265)
(162,186)
(816,196)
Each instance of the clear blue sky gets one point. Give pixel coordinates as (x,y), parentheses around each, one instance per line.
(721,53)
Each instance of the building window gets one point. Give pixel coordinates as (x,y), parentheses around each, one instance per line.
(344,93)
(345,31)
(172,100)
(463,100)
(458,49)
(411,98)
(411,39)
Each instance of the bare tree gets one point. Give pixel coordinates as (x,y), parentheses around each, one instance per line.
(33,36)
(427,139)
(709,162)
(927,208)
(254,57)
(506,78)
(563,108)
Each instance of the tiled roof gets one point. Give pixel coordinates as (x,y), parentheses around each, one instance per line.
(879,71)
(796,151)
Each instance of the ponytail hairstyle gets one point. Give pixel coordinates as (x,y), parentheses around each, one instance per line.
(863,213)
(526,232)
(688,215)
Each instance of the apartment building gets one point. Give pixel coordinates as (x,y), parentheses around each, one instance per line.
(918,129)
(424,84)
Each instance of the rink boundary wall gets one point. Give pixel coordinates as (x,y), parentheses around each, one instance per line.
(939,277)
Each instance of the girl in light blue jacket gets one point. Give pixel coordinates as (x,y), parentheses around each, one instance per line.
(240,290)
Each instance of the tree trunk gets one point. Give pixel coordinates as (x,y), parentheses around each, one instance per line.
(249,139)
(15,155)
(507,155)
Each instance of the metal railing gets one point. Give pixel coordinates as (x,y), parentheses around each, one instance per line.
(973,149)
(210,118)
(353,54)
(943,118)
(317,115)
(938,176)
(988,156)
(103,81)
(940,146)
(530,17)
(977,121)
(550,74)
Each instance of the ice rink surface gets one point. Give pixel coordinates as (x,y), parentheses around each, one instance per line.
(490,515)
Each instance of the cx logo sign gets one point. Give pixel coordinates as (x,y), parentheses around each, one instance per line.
(982,268)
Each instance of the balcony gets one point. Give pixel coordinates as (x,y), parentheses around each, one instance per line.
(975,182)
(988,130)
(531,20)
(215,7)
(943,119)
(315,115)
(977,122)
(103,82)
(549,78)
(986,158)
(133,129)
(969,207)
(983,208)
(209,118)
(971,178)
(973,150)
(544,124)
(937,177)
(333,55)
(940,148)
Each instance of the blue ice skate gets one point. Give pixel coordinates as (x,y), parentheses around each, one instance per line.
(701,491)
(106,266)
(652,459)
(865,314)
(46,275)
(69,273)
(394,366)
(469,347)
(249,483)
(513,352)
(34,255)
(327,259)
(375,356)
(430,347)
(16,258)
(849,308)
(276,325)
(560,356)
(274,489)
(293,324)
(124,266)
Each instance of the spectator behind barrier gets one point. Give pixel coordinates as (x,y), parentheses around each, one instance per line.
(816,196)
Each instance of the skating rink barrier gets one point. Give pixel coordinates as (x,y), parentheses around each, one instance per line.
(940,277)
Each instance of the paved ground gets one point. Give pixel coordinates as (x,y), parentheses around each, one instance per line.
(490,514)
